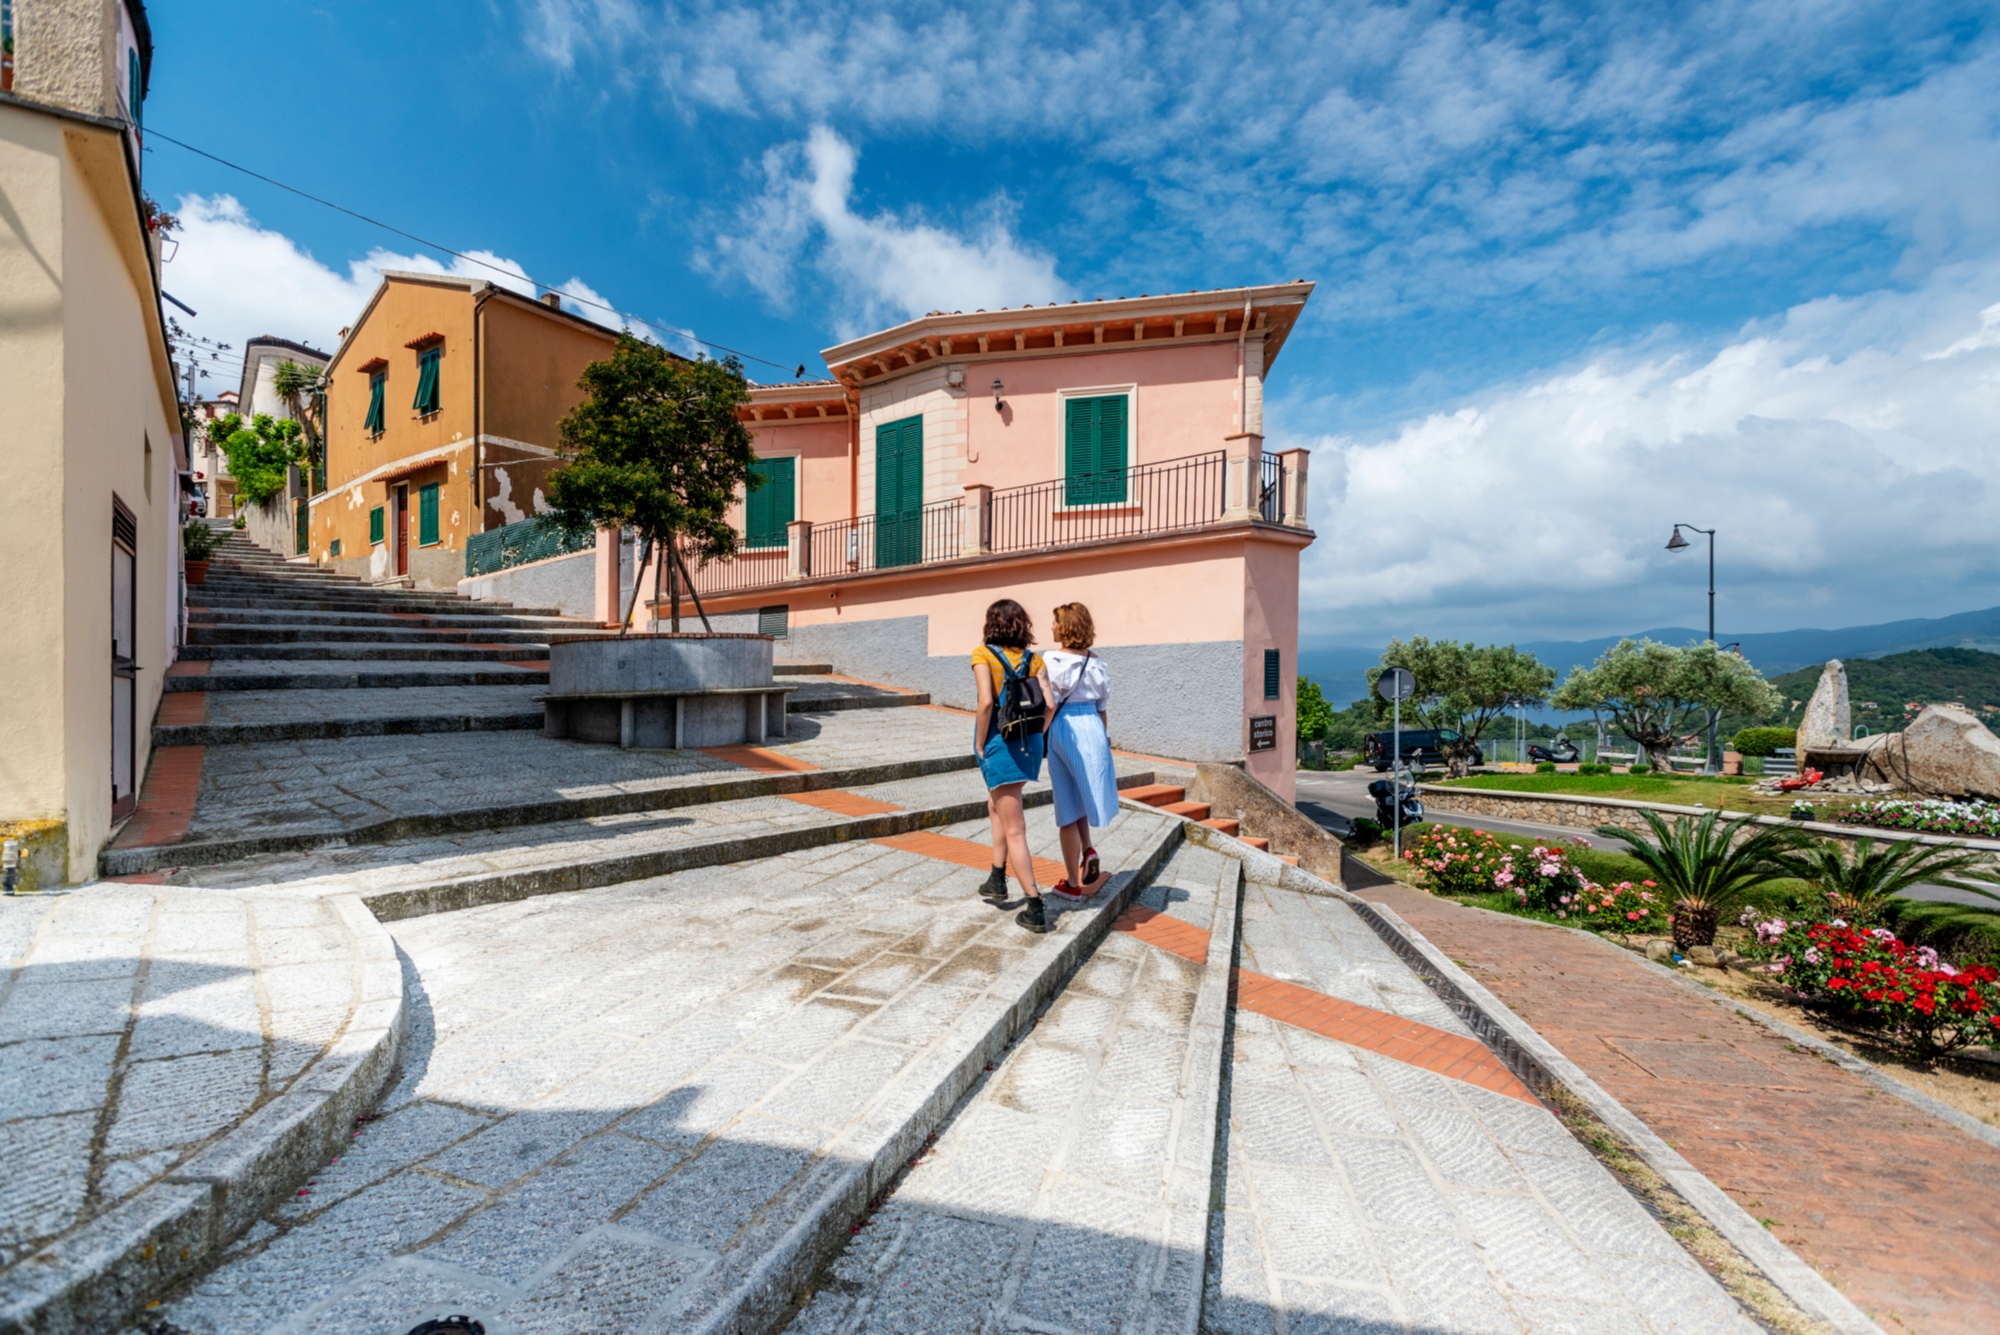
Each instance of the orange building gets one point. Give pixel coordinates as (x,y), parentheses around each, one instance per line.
(442,413)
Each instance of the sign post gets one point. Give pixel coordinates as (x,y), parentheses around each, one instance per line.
(1396,685)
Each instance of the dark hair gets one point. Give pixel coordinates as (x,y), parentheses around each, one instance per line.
(1007,625)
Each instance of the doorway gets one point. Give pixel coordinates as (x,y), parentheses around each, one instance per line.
(124,665)
(899,493)
(402,521)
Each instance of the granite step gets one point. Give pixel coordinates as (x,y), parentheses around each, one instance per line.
(361,651)
(264,674)
(398,633)
(450,620)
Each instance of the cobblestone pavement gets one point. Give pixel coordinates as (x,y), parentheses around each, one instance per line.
(330,786)
(615,1101)
(1052,1202)
(1900,1211)
(137,1026)
(1364,1193)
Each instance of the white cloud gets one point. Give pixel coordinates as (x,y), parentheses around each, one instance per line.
(890,267)
(1849,471)
(246,280)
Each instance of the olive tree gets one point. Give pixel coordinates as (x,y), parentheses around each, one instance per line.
(1654,692)
(1464,688)
(656,446)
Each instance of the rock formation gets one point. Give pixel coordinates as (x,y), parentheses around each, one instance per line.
(1944,752)
(1828,721)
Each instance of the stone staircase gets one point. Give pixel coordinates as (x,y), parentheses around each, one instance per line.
(1172,799)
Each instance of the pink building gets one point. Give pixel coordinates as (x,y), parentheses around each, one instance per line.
(1106,452)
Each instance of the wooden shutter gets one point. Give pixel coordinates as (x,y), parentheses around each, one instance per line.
(427,515)
(375,524)
(377,384)
(769,508)
(899,492)
(1274,679)
(428,398)
(1094,450)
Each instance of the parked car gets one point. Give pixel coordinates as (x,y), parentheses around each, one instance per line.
(1419,744)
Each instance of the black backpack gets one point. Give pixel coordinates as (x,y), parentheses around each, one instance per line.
(1019,711)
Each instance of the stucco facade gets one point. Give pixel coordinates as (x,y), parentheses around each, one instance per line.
(90,445)
(1190,568)
(506,373)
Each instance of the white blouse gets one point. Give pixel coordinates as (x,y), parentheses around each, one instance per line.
(1077,677)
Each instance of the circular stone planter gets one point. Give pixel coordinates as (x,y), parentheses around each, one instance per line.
(663,690)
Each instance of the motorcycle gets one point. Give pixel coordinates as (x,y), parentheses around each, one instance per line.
(1396,801)
(1561,751)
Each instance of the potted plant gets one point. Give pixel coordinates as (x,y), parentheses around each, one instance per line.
(198,543)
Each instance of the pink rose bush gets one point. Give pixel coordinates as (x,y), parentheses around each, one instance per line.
(1541,878)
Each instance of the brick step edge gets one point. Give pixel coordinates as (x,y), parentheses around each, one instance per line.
(99,1277)
(139,860)
(863,1165)
(1545,1070)
(220,734)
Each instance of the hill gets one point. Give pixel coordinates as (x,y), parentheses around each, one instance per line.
(1887,692)
(1339,668)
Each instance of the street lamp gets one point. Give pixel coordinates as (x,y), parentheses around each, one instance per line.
(1675,544)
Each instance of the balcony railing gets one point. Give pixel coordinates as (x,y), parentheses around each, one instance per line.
(1174,496)
(1132,502)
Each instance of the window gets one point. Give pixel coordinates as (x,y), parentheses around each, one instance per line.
(377,383)
(774,621)
(427,515)
(1273,678)
(427,400)
(375,524)
(1094,450)
(132,82)
(333,549)
(768,508)
(899,493)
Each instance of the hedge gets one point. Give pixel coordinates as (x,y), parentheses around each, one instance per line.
(1765,741)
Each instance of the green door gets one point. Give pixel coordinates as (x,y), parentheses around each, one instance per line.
(899,493)
(768,509)
(302,521)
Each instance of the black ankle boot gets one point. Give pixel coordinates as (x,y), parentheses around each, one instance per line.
(1033,917)
(995,887)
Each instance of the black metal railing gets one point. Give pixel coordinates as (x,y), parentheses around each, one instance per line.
(883,542)
(1174,496)
(1128,503)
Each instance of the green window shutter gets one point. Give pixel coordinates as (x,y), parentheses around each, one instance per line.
(132,75)
(899,492)
(377,384)
(375,524)
(1094,450)
(769,508)
(302,522)
(427,400)
(427,515)
(1273,679)
(774,621)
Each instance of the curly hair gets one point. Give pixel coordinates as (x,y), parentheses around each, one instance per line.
(1007,625)
(1075,630)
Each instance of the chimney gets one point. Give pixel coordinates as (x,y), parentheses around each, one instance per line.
(552,300)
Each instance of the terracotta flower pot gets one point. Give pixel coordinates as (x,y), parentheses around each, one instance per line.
(197,571)
(1694,926)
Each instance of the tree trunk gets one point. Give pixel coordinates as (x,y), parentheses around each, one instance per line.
(1458,760)
(1660,757)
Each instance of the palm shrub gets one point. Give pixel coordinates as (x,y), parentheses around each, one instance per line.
(1704,865)
(1858,881)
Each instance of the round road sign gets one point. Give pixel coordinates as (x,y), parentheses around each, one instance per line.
(1396,684)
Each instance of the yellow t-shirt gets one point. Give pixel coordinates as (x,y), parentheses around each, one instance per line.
(984,657)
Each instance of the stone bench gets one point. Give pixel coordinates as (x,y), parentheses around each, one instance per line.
(663,690)
(698,716)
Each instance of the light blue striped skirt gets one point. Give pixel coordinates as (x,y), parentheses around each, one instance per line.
(1080,768)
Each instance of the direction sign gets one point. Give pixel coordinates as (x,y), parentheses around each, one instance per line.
(1396,684)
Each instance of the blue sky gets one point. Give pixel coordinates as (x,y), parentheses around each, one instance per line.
(1583,270)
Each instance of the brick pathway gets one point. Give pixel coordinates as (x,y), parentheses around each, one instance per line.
(1899,1210)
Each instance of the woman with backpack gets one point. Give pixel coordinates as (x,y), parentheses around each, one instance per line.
(1079,747)
(1007,737)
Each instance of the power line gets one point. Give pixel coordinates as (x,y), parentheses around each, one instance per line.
(154,132)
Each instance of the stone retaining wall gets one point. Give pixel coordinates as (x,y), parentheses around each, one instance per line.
(1587,813)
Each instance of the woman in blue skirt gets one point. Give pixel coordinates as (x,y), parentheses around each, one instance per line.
(1079,748)
(1008,764)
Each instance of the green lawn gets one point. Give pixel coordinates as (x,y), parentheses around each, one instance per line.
(1730,794)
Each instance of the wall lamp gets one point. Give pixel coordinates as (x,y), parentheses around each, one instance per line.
(996,396)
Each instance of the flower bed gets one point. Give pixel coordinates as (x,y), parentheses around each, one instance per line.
(1868,979)
(1978,820)
(1540,879)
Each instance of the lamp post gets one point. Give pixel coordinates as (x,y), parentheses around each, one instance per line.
(1677,543)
